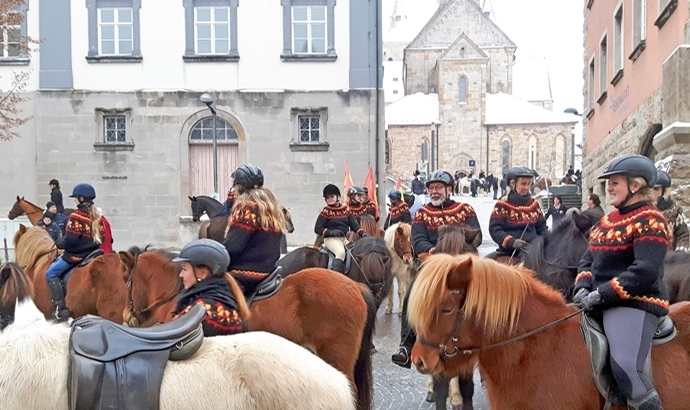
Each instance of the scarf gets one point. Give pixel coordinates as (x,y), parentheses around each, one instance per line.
(212,289)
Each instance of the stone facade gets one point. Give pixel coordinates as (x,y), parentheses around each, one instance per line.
(406,147)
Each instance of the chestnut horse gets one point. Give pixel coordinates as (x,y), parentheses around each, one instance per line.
(15,286)
(93,289)
(466,308)
(319,309)
(398,238)
(24,207)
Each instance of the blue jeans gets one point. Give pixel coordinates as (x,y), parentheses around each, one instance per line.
(57,268)
(224,210)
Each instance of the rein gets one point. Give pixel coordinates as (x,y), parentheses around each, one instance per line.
(371,285)
(130,301)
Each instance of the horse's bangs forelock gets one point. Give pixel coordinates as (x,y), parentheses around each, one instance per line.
(17,287)
(495,296)
(429,289)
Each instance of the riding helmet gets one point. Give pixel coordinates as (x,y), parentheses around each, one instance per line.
(663,180)
(394,194)
(54,182)
(632,166)
(516,172)
(441,176)
(249,176)
(354,190)
(331,189)
(84,190)
(205,252)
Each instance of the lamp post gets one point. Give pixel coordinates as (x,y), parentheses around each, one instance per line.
(211,104)
(572,136)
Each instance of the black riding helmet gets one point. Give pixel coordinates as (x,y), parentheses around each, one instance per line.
(354,190)
(441,176)
(331,189)
(516,172)
(663,180)
(205,252)
(632,166)
(249,176)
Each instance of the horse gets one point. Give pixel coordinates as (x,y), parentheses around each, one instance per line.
(24,207)
(319,309)
(677,276)
(35,250)
(14,285)
(467,308)
(461,184)
(398,239)
(256,370)
(540,184)
(371,264)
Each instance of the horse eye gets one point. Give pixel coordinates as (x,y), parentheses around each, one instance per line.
(385,259)
(447,311)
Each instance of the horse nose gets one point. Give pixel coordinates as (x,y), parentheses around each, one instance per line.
(419,364)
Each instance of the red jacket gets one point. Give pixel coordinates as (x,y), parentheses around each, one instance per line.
(107,244)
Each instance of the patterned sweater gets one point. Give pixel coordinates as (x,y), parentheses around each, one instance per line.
(336,217)
(677,222)
(215,295)
(626,257)
(399,213)
(357,210)
(511,217)
(253,250)
(429,218)
(78,242)
(372,209)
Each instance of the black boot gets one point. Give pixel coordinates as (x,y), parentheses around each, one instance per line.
(338,265)
(649,401)
(57,294)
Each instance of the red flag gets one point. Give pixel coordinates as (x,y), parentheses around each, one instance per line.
(398,186)
(348,179)
(371,186)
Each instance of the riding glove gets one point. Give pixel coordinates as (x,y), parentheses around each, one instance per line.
(581,294)
(334,233)
(519,244)
(592,300)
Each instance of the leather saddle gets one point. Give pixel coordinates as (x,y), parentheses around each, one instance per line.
(266,288)
(121,368)
(348,256)
(89,258)
(595,338)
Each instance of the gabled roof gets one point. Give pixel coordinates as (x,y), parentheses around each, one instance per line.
(471,50)
(437,33)
(505,109)
(413,109)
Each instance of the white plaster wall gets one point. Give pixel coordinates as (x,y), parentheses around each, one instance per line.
(33,67)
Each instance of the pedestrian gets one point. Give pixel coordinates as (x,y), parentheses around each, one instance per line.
(107,244)
(503,184)
(557,211)
(593,202)
(56,195)
(494,186)
(417,184)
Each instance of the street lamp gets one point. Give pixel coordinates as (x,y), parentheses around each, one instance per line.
(211,104)
(572,136)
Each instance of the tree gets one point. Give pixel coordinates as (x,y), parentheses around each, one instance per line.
(13,44)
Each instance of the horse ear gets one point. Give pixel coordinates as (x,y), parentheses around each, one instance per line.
(127,259)
(460,274)
(18,199)
(22,229)
(191,198)
(399,230)
(471,234)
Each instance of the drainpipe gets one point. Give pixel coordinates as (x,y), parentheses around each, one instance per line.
(378,87)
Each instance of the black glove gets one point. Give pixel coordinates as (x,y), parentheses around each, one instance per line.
(592,300)
(581,294)
(519,244)
(334,233)
(363,234)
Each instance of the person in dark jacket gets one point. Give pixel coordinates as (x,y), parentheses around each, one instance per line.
(557,211)
(202,270)
(593,202)
(673,213)
(229,200)
(333,223)
(368,204)
(398,211)
(355,198)
(56,195)
(504,185)
(255,227)
(417,184)
(621,274)
(59,218)
(83,235)
(516,219)
(51,227)
(494,186)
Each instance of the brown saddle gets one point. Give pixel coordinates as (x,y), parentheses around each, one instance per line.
(117,367)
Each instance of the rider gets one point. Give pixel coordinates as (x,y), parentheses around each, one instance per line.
(83,235)
(516,219)
(229,200)
(50,226)
(621,274)
(440,211)
(333,223)
(254,229)
(56,195)
(399,211)
(369,205)
(673,212)
(354,202)
(59,218)
(202,270)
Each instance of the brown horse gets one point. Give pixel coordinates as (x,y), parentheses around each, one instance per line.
(317,308)
(24,207)
(466,308)
(15,286)
(93,289)
(398,238)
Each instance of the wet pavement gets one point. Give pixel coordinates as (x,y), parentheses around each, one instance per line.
(396,388)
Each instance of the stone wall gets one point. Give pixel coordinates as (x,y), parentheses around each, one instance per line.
(406,147)
(420,70)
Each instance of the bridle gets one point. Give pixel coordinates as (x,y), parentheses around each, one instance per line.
(569,267)
(372,285)
(136,314)
(454,337)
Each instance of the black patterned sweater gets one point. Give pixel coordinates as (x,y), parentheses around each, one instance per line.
(515,217)
(336,217)
(626,257)
(215,295)
(399,213)
(253,250)
(371,208)
(78,241)
(429,218)
(357,211)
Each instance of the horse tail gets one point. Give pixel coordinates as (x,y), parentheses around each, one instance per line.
(239,297)
(363,367)
(203,229)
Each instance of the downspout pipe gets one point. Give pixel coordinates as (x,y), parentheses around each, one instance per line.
(377,25)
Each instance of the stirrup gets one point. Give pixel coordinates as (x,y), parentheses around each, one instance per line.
(402,357)
(61,314)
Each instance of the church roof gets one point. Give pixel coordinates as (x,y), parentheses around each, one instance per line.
(413,109)
(455,17)
(504,109)
(406,19)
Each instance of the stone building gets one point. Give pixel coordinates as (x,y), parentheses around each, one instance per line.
(637,55)
(114,93)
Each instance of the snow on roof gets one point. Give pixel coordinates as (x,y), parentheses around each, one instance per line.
(414,109)
(508,109)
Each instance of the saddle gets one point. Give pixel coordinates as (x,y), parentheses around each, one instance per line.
(89,258)
(266,288)
(121,368)
(597,344)
(348,256)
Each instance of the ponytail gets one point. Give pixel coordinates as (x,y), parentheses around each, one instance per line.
(95,224)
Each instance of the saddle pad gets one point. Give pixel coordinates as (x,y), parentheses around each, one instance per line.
(348,257)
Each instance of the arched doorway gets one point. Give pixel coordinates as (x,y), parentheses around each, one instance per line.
(201,156)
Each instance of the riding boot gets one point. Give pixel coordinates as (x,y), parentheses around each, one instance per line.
(57,294)
(338,265)
(649,401)
(407,338)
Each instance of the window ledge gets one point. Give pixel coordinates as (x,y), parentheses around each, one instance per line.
(639,48)
(105,147)
(308,57)
(187,219)
(309,147)
(589,4)
(590,113)
(114,59)
(15,61)
(200,58)
(602,98)
(617,77)
(666,13)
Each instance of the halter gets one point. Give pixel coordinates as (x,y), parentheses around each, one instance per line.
(372,285)
(130,302)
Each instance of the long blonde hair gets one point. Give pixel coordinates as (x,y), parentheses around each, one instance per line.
(272,217)
(95,217)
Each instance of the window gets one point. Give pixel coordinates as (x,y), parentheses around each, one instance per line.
(505,156)
(308,32)
(202,131)
(395,79)
(310,129)
(532,152)
(395,91)
(639,28)
(387,153)
(462,90)
(591,88)
(666,8)
(12,36)
(210,30)
(603,57)
(114,132)
(113,31)
(618,46)
(115,129)
(425,150)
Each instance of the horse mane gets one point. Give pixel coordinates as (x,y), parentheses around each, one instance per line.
(15,284)
(451,240)
(369,245)
(137,251)
(34,249)
(389,236)
(494,299)
(369,225)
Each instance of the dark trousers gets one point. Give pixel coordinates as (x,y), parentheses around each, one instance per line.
(407,335)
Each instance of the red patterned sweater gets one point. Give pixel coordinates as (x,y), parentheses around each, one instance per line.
(626,257)
(78,241)
(399,213)
(513,218)
(336,217)
(429,218)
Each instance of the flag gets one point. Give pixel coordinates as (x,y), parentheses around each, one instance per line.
(371,186)
(348,179)
(398,186)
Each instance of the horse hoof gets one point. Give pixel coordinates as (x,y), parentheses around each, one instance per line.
(430,397)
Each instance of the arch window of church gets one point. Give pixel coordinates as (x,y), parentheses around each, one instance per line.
(425,150)
(505,156)
(533,152)
(462,90)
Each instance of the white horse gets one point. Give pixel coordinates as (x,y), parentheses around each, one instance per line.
(398,238)
(254,370)
(463,183)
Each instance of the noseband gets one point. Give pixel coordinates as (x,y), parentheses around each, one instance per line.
(136,314)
